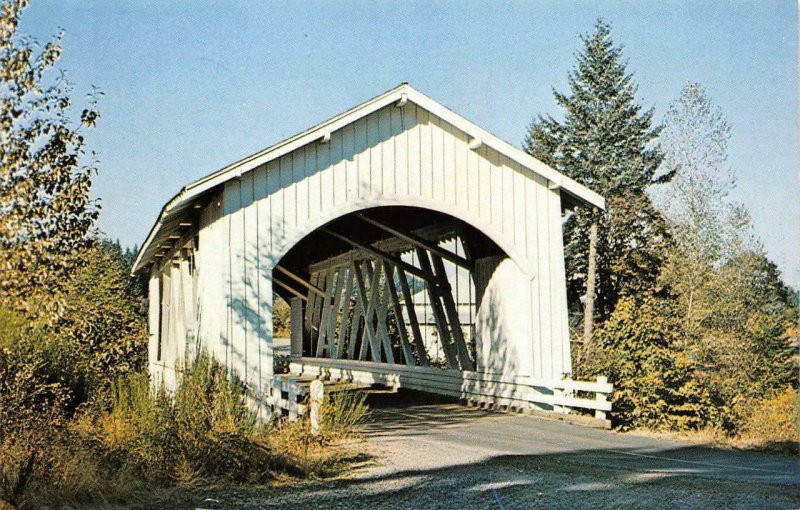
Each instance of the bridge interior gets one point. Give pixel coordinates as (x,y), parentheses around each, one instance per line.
(398,285)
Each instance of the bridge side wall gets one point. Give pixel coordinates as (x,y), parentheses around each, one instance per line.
(395,156)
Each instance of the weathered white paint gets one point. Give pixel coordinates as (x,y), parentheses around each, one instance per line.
(419,155)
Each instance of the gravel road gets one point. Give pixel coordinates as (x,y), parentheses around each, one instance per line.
(440,455)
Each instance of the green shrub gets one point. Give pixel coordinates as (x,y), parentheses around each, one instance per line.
(774,423)
(36,401)
(640,350)
(102,319)
(281,317)
(342,416)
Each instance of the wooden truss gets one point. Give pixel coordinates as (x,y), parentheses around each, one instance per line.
(361,306)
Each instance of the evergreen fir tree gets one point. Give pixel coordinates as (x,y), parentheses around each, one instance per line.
(605,143)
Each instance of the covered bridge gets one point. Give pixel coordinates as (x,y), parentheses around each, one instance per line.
(395,209)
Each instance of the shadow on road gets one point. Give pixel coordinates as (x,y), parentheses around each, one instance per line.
(433,453)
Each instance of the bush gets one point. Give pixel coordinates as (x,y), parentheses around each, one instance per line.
(639,349)
(102,319)
(281,317)
(37,399)
(773,422)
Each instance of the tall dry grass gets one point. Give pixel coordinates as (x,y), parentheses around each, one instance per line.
(146,438)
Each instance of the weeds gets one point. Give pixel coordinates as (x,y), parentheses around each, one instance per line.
(342,416)
(142,438)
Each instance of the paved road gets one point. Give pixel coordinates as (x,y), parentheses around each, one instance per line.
(451,434)
(442,455)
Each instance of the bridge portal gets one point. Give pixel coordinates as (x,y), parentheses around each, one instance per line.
(415,248)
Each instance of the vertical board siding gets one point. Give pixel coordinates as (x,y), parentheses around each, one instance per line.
(413,161)
(339,191)
(351,168)
(386,149)
(400,155)
(362,159)
(263,287)
(153,314)
(375,170)
(400,151)
(236,266)
(252,318)
(301,186)
(543,259)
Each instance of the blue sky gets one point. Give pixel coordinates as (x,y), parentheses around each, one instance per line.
(192,86)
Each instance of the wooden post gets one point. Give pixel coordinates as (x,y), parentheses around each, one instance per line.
(291,390)
(333,315)
(345,313)
(322,324)
(601,398)
(588,309)
(316,394)
(412,318)
(451,309)
(398,314)
(366,308)
(438,312)
(296,333)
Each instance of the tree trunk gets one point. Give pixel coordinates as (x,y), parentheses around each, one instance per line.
(588,310)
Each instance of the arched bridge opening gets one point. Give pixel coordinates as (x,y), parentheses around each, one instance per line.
(392,285)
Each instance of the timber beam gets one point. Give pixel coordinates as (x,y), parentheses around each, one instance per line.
(392,245)
(301,281)
(397,261)
(291,289)
(419,242)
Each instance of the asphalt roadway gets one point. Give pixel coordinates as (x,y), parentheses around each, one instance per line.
(439,455)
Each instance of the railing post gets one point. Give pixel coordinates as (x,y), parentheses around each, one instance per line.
(315,399)
(291,400)
(600,398)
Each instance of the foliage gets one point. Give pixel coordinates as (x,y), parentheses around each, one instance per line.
(35,397)
(744,345)
(734,306)
(203,432)
(103,316)
(45,208)
(343,414)
(708,228)
(774,422)
(605,143)
(281,317)
(640,350)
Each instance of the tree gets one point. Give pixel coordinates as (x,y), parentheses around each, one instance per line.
(744,344)
(45,208)
(102,317)
(707,227)
(735,309)
(605,143)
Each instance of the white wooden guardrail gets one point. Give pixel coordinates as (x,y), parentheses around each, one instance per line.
(523,393)
(287,394)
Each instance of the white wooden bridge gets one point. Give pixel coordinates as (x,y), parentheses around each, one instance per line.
(416,250)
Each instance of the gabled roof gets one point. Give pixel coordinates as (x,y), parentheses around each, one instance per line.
(190,193)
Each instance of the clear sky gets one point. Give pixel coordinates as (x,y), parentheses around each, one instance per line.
(192,86)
